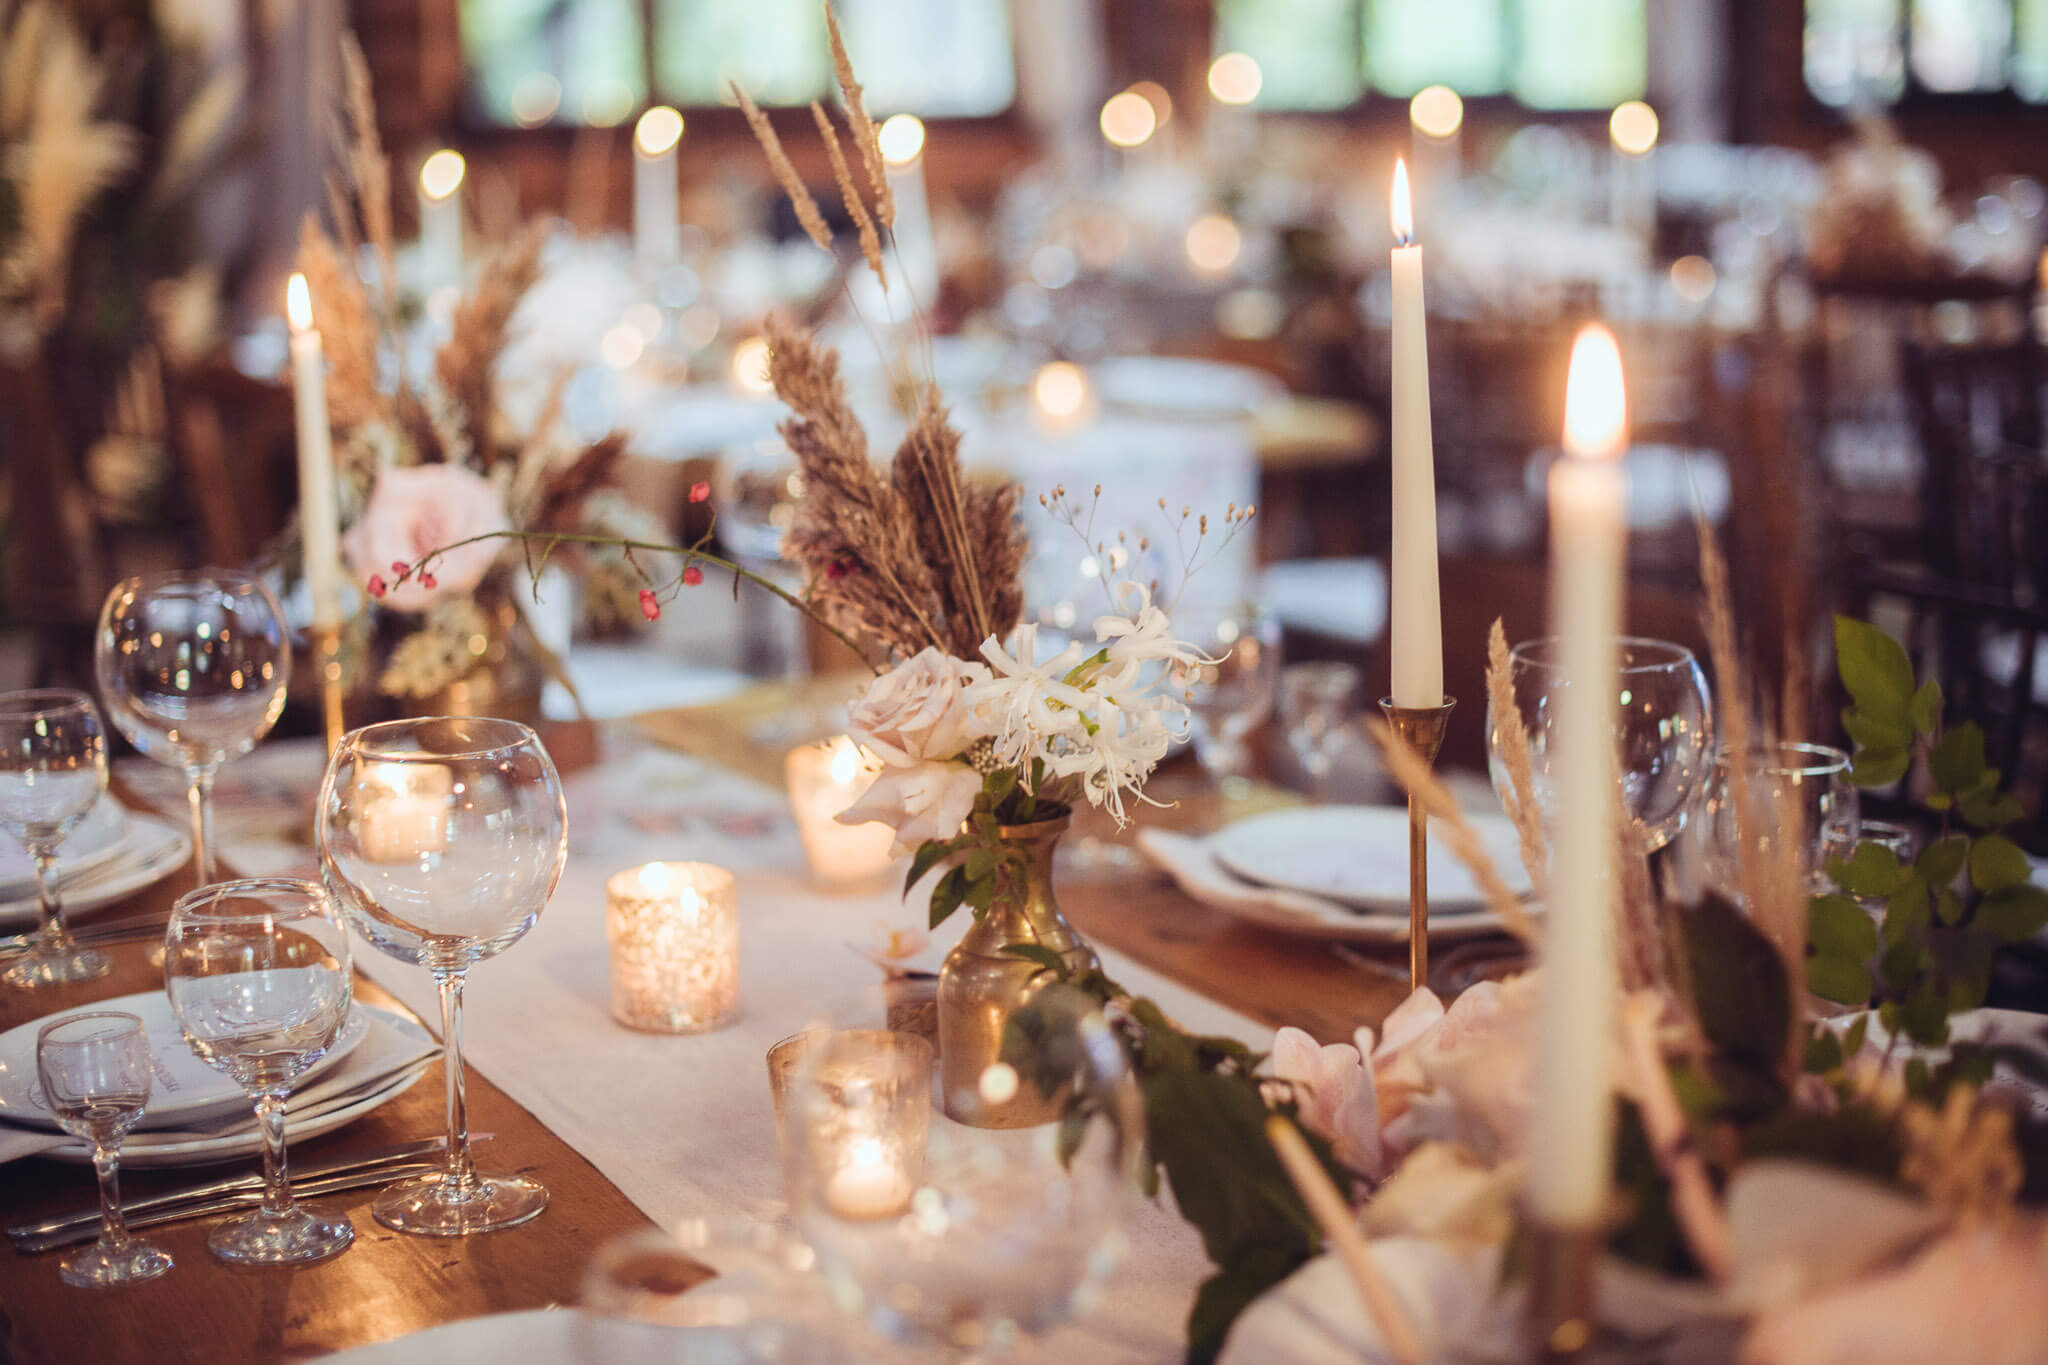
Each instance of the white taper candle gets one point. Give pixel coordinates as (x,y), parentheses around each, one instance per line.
(319,521)
(1418,628)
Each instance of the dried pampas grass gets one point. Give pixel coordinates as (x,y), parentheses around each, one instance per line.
(865,135)
(863,222)
(1511,742)
(785,174)
(467,362)
(369,169)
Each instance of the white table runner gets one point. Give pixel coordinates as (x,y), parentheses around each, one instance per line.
(683,1125)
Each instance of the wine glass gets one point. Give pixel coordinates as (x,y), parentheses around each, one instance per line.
(192,667)
(94,1070)
(53,770)
(1231,696)
(441,840)
(258,977)
(1663,729)
(950,1233)
(1808,781)
(1317,704)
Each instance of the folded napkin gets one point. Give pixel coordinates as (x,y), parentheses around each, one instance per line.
(390,1047)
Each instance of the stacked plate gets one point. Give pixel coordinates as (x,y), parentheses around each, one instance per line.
(113,852)
(1337,872)
(197,1115)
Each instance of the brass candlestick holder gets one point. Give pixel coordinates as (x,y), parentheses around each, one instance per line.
(1560,1318)
(327,659)
(1422,729)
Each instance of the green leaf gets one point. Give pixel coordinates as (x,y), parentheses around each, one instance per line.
(1854,1138)
(1845,981)
(1823,1052)
(1039,953)
(981,892)
(1743,1000)
(1941,862)
(1871,870)
(1925,1014)
(1916,1076)
(1957,763)
(1230,1291)
(1992,809)
(980,863)
(1888,1015)
(1905,913)
(1948,907)
(999,784)
(947,894)
(928,856)
(2013,913)
(1874,668)
(1925,707)
(1880,767)
(1852,1041)
(1874,733)
(1838,927)
(1996,861)
(1900,967)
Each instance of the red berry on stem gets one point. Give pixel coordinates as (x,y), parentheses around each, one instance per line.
(700,492)
(692,576)
(649,608)
(398,567)
(376,585)
(429,582)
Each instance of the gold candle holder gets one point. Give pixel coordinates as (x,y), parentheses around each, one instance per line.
(327,660)
(1422,729)
(674,932)
(1562,1260)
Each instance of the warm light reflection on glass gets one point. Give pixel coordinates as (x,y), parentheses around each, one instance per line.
(1436,111)
(1595,397)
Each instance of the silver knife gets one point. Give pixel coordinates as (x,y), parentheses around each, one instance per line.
(230,1203)
(235,1184)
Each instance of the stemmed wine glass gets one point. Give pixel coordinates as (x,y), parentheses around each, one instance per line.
(1233,696)
(1664,731)
(193,668)
(1318,702)
(53,770)
(94,1070)
(258,977)
(441,840)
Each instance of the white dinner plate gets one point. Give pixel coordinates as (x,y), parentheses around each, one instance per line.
(1359,855)
(153,850)
(183,1089)
(566,1336)
(95,839)
(1182,386)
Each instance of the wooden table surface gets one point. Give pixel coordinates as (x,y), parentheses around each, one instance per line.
(387,1285)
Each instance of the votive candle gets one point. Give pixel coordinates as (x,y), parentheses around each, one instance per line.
(824,779)
(674,932)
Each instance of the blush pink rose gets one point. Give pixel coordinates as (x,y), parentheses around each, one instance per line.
(415,509)
(919,801)
(1333,1094)
(915,711)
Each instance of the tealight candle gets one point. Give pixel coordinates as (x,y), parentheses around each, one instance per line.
(855,1105)
(674,932)
(404,810)
(872,1183)
(824,779)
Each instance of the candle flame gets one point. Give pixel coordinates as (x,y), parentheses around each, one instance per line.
(659,129)
(901,139)
(1595,398)
(441,174)
(656,878)
(298,303)
(1060,388)
(1401,206)
(1633,127)
(750,366)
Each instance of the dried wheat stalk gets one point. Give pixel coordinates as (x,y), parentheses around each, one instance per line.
(1511,741)
(1416,777)
(369,168)
(561,495)
(785,174)
(865,135)
(466,363)
(863,222)
(348,332)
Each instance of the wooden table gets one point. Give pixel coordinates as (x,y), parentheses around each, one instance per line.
(387,1285)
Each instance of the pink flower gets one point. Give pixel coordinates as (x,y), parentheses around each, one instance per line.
(419,508)
(920,801)
(914,712)
(1335,1095)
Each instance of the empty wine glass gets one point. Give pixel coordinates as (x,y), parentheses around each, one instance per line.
(1787,781)
(441,840)
(1233,696)
(1664,731)
(94,1070)
(1318,702)
(945,1232)
(53,770)
(192,667)
(258,977)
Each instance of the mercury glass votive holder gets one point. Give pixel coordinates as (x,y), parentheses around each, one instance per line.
(824,779)
(674,931)
(852,1112)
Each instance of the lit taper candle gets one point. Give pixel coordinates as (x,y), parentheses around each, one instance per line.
(657,230)
(319,524)
(1418,628)
(440,188)
(1571,1134)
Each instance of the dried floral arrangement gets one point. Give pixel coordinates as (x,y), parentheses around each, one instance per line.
(1846,1187)
(424,461)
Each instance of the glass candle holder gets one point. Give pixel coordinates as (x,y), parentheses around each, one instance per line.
(824,779)
(852,1112)
(674,932)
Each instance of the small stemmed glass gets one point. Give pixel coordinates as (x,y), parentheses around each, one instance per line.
(441,840)
(94,1070)
(1318,702)
(259,979)
(192,667)
(53,770)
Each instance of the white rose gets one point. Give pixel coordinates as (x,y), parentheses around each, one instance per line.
(919,801)
(915,711)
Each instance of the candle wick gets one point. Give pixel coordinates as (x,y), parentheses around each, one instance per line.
(1404,239)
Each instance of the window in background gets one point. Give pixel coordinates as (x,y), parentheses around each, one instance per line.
(1548,54)
(1876,50)
(1307,50)
(581,61)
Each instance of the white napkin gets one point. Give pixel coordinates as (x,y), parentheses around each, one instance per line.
(390,1046)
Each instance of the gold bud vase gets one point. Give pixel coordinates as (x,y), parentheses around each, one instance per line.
(981,989)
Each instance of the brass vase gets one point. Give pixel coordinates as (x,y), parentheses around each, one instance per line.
(506,681)
(981,988)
